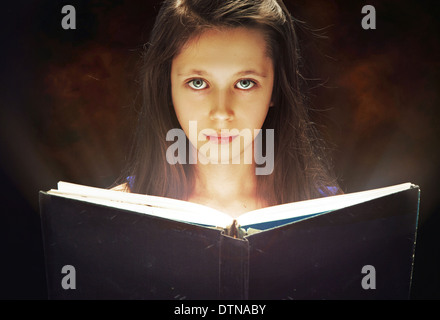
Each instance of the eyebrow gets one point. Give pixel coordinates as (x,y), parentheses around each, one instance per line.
(251,71)
(240,73)
(193,71)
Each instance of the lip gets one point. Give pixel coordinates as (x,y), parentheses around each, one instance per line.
(221,139)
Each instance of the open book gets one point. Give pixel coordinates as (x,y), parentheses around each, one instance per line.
(133,246)
(261,219)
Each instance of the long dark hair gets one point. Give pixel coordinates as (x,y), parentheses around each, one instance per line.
(301,169)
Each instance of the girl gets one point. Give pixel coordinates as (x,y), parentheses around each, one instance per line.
(224,65)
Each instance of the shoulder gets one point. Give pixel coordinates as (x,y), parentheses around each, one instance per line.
(330,191)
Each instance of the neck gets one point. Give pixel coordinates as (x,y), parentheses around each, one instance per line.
(230,188)
(225,181)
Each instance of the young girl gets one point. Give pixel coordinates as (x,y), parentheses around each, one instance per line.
(217,66)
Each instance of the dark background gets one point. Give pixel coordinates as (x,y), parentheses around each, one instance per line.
(66,100)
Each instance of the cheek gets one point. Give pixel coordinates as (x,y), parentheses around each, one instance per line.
(258,121)
(188,108)
(180,108)
(184,114)
(257,113)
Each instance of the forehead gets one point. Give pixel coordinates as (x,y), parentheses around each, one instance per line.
(232,46)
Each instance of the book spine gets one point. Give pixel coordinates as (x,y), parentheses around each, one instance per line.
(234,268)
(417,210)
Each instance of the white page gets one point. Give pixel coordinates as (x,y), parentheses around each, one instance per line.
(307,207)
(199,214)
(156,206)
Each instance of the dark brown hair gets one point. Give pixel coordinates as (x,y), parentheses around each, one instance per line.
(301,169)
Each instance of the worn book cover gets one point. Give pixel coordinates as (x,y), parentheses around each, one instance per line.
(362,250)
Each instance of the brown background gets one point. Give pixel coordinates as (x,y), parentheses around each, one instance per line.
(66,100)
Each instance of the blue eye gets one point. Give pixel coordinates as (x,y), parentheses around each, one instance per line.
(245,84)
(197,84)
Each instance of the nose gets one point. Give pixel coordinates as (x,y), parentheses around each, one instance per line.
(222,107)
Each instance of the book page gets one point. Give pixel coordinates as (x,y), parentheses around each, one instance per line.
(316,206)
(157,206)
(185,211)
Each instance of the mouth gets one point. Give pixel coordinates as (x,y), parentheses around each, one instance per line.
(220,139)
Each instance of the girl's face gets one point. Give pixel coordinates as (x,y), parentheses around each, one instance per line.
(222,79)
